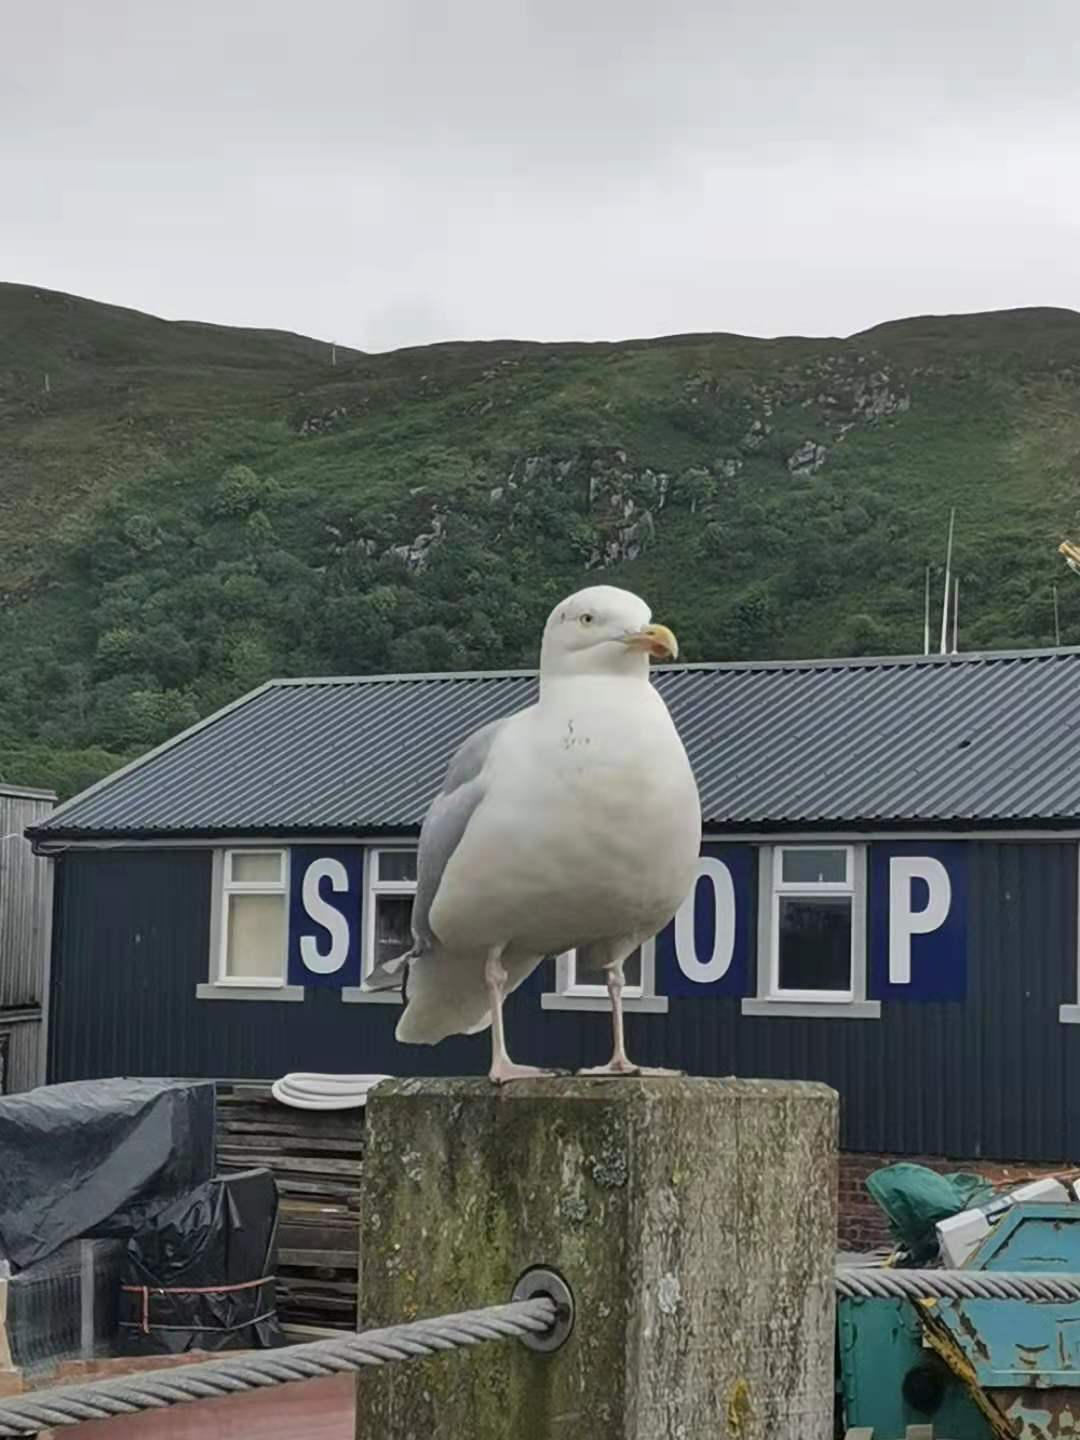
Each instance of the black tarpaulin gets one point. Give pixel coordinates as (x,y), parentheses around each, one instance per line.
(97,1158)
(201,1276)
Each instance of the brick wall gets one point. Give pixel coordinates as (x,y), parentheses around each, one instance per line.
(864,1227)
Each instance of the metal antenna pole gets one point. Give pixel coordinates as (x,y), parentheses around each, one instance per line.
(948,583)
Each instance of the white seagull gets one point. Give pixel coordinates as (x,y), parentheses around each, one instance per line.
(571,825)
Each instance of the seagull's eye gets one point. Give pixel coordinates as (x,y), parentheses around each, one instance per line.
(586,619)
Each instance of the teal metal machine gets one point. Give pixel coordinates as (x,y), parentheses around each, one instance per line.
(973,1369)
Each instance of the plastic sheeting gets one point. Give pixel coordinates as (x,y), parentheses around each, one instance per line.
(201,1277)
(98,1158)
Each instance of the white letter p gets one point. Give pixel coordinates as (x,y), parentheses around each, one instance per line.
(903,921)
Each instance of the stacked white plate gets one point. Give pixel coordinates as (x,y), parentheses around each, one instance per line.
(304,1091)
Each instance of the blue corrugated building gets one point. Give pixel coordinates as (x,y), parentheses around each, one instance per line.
(887,896)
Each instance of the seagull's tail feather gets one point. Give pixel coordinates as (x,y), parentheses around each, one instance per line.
(389,974)
(447,994)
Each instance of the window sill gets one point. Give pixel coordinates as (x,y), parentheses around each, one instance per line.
(814,1010)
(638,1005)
(1069,1014)
(357,995)
(249,992)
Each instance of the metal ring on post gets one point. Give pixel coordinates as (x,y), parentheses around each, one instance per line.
(541,1281)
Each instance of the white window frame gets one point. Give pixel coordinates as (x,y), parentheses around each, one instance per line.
(222,986)
(374,887)
(851,1004)
(809,890)
(637,999)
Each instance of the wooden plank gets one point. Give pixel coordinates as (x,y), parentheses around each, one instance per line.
(331,1181)
(325,1310)
(290,1144)
(312,1285)
(231,1109)
(241,1129)
(308,1304)
(329,1184)
(242,1107)
(333,1190)
(316,1212)
(317,1187)
(305,1259)
(300,1333)
(319,1165)
(288,1186)
(318,1309)
(304,1240)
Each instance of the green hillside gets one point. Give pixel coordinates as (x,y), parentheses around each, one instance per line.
(187,510)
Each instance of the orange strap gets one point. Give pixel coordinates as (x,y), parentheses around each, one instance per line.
(147,1290)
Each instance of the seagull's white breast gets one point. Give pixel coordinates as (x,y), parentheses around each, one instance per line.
(590,827)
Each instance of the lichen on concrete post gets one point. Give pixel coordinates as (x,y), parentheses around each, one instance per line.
(694,1220)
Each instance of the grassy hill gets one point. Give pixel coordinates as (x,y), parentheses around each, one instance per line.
(187,510)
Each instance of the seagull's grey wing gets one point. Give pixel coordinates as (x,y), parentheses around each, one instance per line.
(446,822)
(440,835)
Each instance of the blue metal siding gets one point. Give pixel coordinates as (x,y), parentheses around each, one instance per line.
(132,943)
(995,1076)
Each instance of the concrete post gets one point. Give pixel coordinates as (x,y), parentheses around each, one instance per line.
(694,1220)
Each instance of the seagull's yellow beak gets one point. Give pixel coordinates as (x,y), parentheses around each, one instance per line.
(656,640)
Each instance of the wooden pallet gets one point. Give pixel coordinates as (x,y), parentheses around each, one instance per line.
(316,1158)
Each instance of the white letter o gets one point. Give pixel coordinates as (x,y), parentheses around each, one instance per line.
(705,972)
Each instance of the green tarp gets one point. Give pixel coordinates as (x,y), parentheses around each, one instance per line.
(915,1199)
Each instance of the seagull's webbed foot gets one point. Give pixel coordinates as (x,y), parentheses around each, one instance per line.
(620,1065)
(617,1065)
(503,1070)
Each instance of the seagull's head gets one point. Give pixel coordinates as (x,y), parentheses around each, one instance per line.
(603,631)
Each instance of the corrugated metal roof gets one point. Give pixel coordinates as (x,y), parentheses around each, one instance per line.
(979,738)
(22,792)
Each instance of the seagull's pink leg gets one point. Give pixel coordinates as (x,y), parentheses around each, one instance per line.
(620,1063)
(502,1067)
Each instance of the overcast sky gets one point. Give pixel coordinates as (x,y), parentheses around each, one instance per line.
(391,172)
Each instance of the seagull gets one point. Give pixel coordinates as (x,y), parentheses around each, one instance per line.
(573,824)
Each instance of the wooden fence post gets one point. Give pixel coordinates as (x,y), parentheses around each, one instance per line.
(693,1219)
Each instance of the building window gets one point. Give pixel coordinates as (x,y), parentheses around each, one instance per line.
(812,932)
(391,886)
(250,927)
(578,987)
(813,897)
(582,979)
(254,918)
